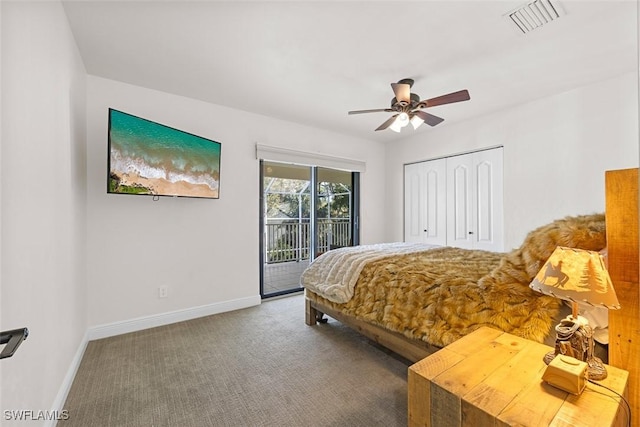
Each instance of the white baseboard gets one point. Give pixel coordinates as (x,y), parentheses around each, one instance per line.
(63,392)
(118,328)
(141,323)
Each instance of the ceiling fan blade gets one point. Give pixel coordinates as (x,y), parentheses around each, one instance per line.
(388,123)
(402,92)
(429,119)
(378,110)
(462,95)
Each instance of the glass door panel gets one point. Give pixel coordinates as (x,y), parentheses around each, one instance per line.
(334,210)
(285,205)
(292,232)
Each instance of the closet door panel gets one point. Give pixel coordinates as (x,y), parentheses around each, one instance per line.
(413,203)
(489,200)
(459,198)
(435,218)
(426,202)
(484,208)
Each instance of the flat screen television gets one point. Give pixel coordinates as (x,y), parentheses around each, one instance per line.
(153,159)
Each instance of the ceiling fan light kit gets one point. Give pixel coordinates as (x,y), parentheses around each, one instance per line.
(395,126)
(408,107)
(416,121)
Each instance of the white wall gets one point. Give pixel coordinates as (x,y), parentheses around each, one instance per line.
(205,251)
(1,238)
(556,151)
(42,203)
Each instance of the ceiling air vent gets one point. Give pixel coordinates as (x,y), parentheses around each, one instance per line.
(535,14)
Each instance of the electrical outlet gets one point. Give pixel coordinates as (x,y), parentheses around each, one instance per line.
(163,291)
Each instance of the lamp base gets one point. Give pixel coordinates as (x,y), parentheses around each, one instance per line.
(595,368)
(574,337)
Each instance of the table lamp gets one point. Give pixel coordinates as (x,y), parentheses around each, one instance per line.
(578,276)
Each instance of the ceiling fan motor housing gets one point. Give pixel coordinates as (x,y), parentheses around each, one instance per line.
(400,105)
(406,82)
(409,106)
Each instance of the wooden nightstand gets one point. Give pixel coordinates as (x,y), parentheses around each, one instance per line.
(491,378)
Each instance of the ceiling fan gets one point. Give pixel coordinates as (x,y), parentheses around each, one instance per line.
(408,107)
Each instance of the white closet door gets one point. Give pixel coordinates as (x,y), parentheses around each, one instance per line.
(488,227)
(460,226)
(435,209)
(474,201)
(425,202)
(413,202)
(456,201)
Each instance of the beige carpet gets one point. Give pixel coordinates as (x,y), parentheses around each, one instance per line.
(260,366)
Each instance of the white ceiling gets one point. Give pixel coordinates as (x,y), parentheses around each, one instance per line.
(311,62)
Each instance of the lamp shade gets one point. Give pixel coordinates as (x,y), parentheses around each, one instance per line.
(396,126)
(576,275)
(416,121)
(402,119)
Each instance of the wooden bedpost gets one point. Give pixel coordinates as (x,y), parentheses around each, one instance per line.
(310,313)
(624,259)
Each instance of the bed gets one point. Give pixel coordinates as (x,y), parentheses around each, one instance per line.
(433,296)
(418,300)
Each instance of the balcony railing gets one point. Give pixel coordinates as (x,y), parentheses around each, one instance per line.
(289,241)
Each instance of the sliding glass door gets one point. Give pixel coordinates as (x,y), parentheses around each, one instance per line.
(305,211)
(334,210)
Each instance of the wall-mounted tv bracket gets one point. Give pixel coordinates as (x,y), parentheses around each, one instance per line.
(12,339)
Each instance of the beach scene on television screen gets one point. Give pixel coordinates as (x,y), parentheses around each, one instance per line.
(150,158)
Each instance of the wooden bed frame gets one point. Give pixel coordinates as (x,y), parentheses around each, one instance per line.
(622,222)
(412,350)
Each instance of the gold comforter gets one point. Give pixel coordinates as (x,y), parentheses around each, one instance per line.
(442,294)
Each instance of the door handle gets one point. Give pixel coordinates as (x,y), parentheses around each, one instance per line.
(12,339)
